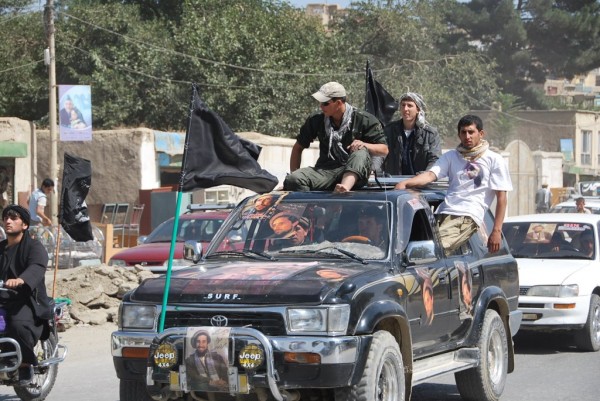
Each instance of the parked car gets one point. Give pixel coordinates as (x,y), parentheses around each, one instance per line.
(199,223)
(559,273)
(568,206)
(332,297)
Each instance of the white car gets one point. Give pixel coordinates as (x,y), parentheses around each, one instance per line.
(559,273)
(568,206)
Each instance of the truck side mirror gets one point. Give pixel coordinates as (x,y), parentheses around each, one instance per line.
(421,252)
(192,250)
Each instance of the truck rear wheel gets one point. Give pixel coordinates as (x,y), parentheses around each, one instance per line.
(486,381)
(383,377)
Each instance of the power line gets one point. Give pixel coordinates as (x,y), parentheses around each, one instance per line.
(22,66)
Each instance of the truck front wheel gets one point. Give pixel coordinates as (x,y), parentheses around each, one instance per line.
(486,381)
(383,377)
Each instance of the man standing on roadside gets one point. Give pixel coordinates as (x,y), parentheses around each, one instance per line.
(542,199)
(38,201)
(23,262)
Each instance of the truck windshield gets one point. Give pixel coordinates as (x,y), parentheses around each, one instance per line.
(270,224)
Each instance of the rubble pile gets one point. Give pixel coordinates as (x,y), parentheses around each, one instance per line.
(95,292)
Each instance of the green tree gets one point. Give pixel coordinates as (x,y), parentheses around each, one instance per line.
(529,40)
(406,43)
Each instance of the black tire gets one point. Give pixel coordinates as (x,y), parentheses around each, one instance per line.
(588,338)
(486,381)
(43,378)
(133,390)
(383,377)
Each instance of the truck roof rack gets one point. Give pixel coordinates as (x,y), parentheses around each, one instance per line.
(195,207)
(390,181)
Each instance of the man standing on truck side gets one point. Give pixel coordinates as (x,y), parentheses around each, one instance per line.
(23,262)
(348,138)
(476,176)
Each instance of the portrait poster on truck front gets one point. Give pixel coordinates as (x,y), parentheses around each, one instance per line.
(206,359)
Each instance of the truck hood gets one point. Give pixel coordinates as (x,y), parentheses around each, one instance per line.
(252,283)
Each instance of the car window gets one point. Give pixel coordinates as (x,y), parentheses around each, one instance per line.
(188,229)
(556,240)
(286,228)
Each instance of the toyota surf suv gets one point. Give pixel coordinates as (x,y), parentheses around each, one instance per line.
(327,297)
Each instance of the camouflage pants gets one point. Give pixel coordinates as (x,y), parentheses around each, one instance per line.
(455,231)
(325,179)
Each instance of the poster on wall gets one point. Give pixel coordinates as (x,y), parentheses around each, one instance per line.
(75,112)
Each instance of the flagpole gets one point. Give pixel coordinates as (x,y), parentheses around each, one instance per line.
(366,83)
(163,310)
(56,252)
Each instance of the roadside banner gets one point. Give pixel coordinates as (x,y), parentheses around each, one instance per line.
(75,112)
(73,213)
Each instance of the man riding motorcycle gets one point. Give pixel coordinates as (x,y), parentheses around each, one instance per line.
(23,263)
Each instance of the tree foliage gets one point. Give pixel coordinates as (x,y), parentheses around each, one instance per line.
(258,61)
(529,39)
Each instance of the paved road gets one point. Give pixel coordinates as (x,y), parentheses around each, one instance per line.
(548,369)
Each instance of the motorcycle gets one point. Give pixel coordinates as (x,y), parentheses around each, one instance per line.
(49,354)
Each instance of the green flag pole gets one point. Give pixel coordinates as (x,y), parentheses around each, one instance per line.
(163,310)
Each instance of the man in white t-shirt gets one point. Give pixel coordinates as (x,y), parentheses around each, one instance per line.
(476,175)
(38,201)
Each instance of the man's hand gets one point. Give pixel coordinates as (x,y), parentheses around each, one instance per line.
(14,283)
(356,145)
(494,241)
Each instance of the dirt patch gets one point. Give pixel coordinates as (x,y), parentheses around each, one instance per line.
(93,292)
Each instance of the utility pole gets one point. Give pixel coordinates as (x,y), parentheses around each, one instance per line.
(52,110)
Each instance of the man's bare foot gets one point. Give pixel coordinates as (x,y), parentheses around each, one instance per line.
(339,188)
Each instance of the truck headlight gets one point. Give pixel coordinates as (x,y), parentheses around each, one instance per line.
(556,291)
(138,316)
(331,320)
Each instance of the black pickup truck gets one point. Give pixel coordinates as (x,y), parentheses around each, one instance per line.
(323,296)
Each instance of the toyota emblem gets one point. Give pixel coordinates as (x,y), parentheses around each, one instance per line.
(218,321)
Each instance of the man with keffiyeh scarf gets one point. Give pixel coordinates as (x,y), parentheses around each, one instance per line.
(348,138)
(476,175)
(414,145)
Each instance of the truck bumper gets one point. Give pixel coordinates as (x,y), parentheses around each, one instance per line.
(338,358)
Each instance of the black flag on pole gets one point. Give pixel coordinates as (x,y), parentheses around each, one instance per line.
(215,155)
(378,101)
(73,214)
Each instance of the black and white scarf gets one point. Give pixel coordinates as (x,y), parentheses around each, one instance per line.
(336,149)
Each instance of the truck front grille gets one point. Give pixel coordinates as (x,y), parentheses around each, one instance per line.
(270,324)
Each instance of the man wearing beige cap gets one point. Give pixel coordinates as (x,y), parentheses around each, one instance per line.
(348,138)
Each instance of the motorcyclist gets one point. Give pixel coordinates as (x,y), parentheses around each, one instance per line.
(23,263)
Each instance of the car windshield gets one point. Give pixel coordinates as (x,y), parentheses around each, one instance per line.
(200,229)
(271,226)
(557,240)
